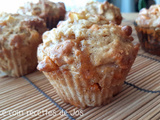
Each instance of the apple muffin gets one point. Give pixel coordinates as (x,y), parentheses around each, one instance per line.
(19,39)
(106,9)
(51,12)
(87,63)
(147,26)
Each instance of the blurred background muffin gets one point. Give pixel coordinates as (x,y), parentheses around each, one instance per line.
(19,39)
(87,63)
(51,12)
(148,29)
(105,9)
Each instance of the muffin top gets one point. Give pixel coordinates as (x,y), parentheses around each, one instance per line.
(149,17)
(16,30)
(80,46)
(85,20)
(107,10)
(42,8)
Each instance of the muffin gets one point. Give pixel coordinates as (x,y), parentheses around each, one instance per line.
(51,12)
(87,62)
(147,26)
(19,39)
(107,10)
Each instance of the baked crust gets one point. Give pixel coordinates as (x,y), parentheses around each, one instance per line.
(149,17)
(19,38)
(87,63)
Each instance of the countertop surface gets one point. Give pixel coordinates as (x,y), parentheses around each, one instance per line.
(32,96)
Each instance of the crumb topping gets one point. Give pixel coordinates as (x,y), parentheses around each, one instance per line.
(79,44)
